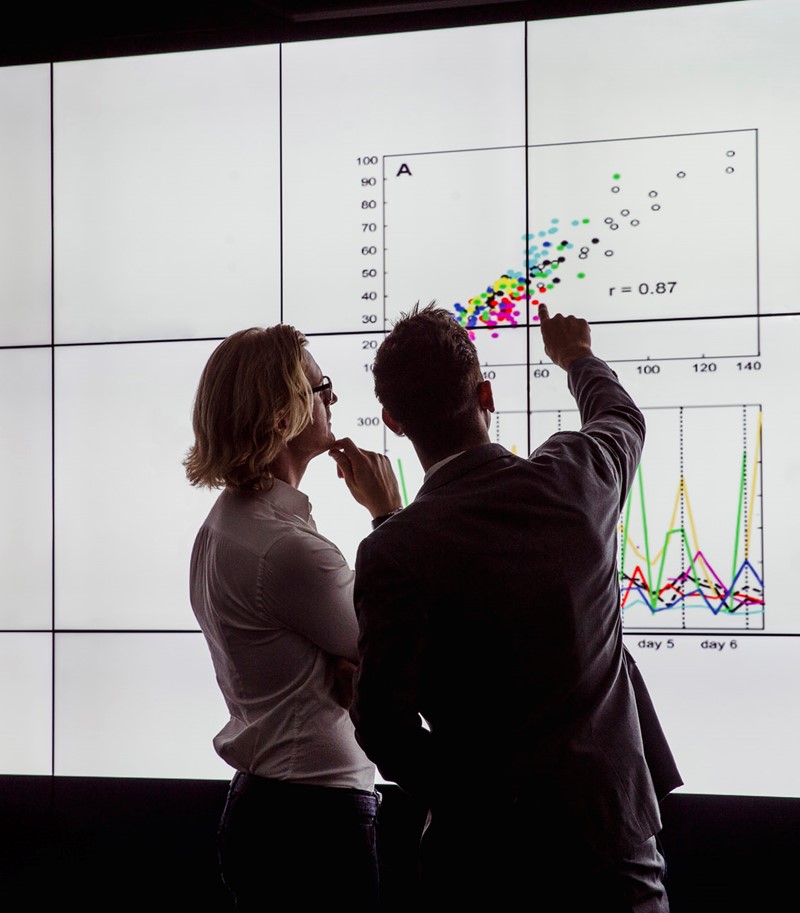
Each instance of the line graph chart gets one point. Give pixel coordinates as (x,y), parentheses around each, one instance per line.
(691,531)
(732,594)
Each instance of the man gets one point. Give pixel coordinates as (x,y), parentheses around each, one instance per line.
(274,600)
(489,609)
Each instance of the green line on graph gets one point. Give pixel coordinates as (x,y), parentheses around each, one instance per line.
(402,482)
(739,513)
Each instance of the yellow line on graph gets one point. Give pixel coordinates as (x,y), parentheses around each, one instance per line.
(753,487)
(682,490)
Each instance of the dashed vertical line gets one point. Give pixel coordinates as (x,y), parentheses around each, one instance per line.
(682,482)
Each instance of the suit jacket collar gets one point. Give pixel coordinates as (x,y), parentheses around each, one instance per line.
(462,465)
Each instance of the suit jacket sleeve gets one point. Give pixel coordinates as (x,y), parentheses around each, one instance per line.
(392,640)
(610,417)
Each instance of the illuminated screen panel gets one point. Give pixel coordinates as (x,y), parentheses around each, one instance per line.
(158,689)
(645,185)
(166,195)
(125,519)
(25,205)
(26,497)
(423,92)
(26,702)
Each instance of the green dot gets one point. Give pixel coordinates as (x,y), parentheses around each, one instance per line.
(617,177)
(585,221)
(581,275)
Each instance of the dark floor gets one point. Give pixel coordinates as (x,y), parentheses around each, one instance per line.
(150,843)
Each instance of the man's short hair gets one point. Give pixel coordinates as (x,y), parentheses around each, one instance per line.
(253,380)
(426,373)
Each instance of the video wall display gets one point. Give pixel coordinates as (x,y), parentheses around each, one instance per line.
(636,169)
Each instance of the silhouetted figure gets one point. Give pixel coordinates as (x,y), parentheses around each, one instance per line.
(273,597)
(489,608)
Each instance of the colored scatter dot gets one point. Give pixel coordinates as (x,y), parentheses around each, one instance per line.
(556,280)
(542,234)
(617,176)
(554,221)
(581,275)
(494,335)
(595,240)
(547,244)
(585,221)
(575,222)
(551,231)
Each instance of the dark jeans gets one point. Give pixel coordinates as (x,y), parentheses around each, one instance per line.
(314,844)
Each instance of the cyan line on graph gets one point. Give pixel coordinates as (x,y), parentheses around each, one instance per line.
(724,595)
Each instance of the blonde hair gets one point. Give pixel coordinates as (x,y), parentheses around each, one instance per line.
(253,383)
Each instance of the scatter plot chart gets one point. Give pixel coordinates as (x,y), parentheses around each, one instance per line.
(655,234)
(691,535)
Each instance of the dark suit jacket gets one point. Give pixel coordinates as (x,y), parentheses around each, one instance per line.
(490,607)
